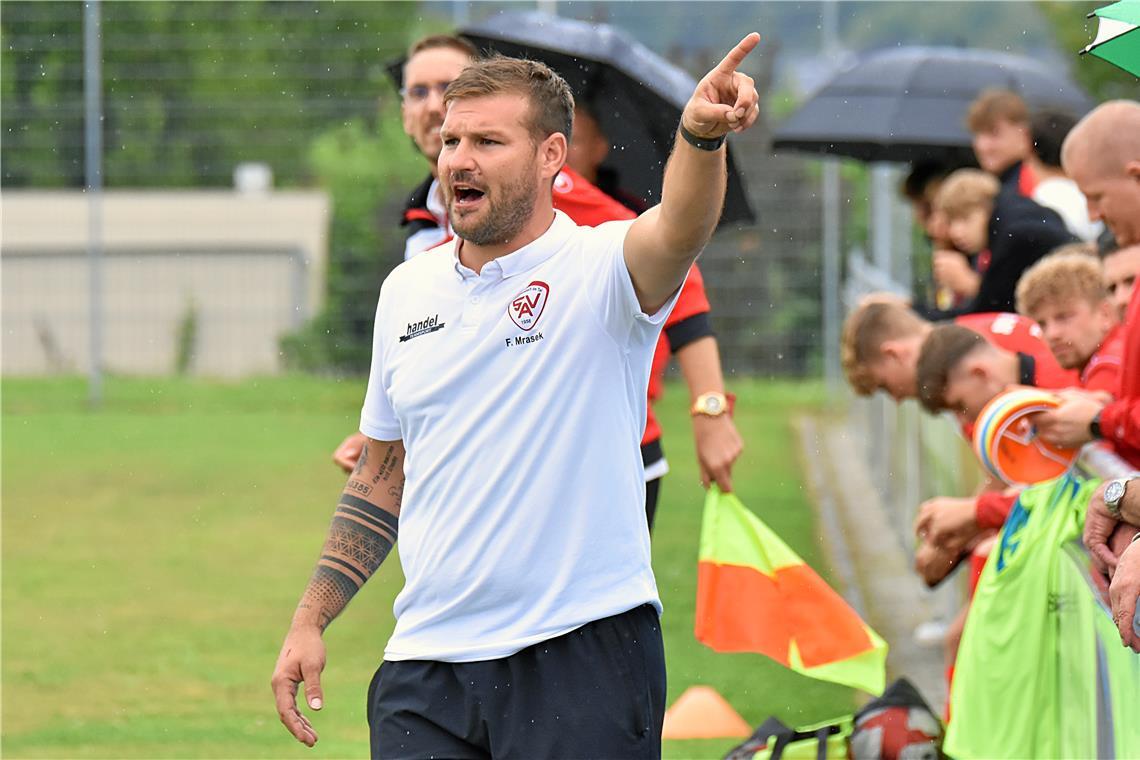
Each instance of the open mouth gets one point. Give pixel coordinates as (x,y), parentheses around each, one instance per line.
(466,195)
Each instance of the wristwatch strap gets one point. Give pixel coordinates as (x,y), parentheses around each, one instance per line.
(702,143)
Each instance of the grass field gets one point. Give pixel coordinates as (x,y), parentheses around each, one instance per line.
(153,553)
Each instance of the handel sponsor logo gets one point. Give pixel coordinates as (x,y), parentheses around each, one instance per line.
(423,327)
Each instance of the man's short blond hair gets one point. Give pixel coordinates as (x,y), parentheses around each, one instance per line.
(965,190)
(878,317)
(1060,277)
(994,105)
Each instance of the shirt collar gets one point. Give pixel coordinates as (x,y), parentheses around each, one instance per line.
(529,256)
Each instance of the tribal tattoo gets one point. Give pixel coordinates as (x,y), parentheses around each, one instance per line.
(359,539)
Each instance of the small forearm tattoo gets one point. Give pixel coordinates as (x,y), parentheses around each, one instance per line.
(387,467)
(359,486)
(362,462)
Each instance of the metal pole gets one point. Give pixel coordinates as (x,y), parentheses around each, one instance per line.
(831,256)
(881,222)
(547,6)
(93,151)
(830,240)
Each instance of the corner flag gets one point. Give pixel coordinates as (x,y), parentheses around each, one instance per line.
(754,594)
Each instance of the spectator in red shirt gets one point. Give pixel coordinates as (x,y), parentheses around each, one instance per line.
(1064,293)
(959,371)
(1121,267)
(882,339)
(881,343)
(1102,155)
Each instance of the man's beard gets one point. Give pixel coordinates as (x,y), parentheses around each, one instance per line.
(503,218)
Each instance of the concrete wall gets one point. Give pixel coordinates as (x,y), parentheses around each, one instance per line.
(245,269)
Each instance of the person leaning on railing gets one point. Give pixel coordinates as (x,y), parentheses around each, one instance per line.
(1114,504)
(1102,155)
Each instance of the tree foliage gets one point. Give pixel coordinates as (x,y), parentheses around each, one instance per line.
(190,89)
(1073,30)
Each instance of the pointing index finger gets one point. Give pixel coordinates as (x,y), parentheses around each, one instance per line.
(737,55)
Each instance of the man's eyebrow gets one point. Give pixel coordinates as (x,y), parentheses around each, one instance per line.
(494,132)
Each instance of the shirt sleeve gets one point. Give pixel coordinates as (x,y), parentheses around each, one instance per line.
(378,419)
(610,288)
(1103,374)
(1120,422)
(991,509)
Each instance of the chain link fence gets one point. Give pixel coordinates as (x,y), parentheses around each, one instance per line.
(192,91)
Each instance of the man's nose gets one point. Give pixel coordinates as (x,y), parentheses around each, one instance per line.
(461,156)
(1094,210)
(434,101)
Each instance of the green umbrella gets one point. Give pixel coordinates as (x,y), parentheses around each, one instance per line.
(1117,39)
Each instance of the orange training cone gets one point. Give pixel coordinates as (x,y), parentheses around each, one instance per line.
(701,713)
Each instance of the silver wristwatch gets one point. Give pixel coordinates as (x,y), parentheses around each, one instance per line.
(1114,494)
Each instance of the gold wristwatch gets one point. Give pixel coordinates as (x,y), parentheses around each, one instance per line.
(711,404)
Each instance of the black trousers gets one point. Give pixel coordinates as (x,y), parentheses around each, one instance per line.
(596,692)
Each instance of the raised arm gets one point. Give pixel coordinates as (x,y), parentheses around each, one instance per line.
(664,241)
(362,533)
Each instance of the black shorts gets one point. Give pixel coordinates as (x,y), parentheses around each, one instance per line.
(596,692)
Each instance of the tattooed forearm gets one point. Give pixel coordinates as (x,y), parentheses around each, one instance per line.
(360,537)
(362,533)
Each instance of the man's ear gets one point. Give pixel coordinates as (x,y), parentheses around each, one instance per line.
(891,349)
(1132,169)
(552,153)
(974,365)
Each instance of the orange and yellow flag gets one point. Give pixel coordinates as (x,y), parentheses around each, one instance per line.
(754,594)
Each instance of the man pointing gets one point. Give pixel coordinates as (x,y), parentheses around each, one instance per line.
(504,410)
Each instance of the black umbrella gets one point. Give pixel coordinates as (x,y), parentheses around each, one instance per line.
(910,103)
(636,95)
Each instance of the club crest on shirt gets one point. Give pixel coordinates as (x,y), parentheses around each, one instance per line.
(526,307)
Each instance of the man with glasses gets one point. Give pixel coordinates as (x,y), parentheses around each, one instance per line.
(432,64)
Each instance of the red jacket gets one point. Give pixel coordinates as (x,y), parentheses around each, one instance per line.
(1120,420)
(1102,372)
(1022,336)
(686,323)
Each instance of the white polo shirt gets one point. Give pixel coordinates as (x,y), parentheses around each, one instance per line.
(519,394)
